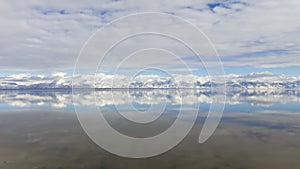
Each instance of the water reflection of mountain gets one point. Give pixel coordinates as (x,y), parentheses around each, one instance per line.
(62,98)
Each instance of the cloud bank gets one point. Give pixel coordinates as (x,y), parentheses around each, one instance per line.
(38,35)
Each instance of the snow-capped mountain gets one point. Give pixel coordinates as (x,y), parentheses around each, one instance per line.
(254,81)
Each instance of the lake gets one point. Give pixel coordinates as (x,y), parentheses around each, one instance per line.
(39,129)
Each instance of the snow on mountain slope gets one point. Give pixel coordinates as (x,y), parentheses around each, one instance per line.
(254,81)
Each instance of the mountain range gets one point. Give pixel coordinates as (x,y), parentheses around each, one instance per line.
(255,81)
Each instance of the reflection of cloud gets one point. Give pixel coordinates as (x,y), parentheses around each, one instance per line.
(60,99)
(58,105)
(19,103)
(28,98)
(274,112)
(40,103)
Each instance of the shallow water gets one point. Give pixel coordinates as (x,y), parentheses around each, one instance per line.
(40,129)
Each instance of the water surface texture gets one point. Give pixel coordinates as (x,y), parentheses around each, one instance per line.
(39,129)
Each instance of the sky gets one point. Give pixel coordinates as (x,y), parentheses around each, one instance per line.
(42,37)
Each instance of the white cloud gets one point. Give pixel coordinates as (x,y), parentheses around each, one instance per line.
(47,36)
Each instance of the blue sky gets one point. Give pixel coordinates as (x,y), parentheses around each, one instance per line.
(250,36)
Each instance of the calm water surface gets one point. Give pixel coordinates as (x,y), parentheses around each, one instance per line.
(39,129)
